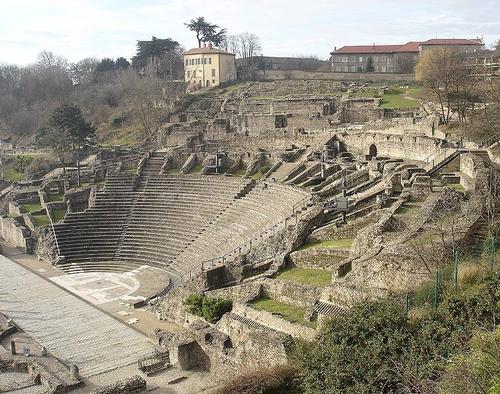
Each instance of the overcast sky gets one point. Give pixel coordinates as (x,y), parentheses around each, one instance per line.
(77,29)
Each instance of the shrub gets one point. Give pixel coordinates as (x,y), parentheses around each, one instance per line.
(375,348)
(21,162)
(194,304)
(477,371)
(211,309)
(214,308)
(278,380)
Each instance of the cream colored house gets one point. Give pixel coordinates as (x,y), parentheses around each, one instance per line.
(209,66)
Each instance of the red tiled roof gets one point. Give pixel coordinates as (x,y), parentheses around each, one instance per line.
(411,46)
(355,49)
(206,51)
(452,41)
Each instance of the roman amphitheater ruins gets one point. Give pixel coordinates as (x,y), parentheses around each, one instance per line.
(248,185)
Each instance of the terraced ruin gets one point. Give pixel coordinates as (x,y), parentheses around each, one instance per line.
(290,201)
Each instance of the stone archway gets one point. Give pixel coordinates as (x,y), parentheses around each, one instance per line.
(372,151)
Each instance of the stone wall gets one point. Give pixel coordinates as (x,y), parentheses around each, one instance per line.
(16,234)
(271,320)
(395,146)
(270,75)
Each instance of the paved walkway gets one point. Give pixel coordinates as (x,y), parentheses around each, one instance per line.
(71,329)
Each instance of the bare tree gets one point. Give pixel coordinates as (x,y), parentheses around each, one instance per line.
(249,45)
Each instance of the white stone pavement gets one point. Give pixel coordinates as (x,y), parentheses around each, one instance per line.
(71,329)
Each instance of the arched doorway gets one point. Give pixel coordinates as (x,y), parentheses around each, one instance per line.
(372,151)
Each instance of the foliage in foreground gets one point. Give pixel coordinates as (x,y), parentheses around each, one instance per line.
(377,348)
(211,309)
(477,371)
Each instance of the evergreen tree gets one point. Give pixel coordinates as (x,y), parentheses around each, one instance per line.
(70,123)
(369,65)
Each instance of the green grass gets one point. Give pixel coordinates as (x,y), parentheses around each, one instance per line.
(240,172)
(54,197)
(416,93)
(257,176)
(173,171)
(11,174)
(41,220)
(292,313)
(196,168)
(261,98)
(398,101)
(457,187)
(307,276)
(59,214)
(404,210)
(344,243)
(32,207)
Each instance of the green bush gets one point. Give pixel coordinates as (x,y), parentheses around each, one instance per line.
(21,162)
(194,304)
(214,308)
(211,309)
(376,348)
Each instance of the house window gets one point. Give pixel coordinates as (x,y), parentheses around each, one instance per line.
(361,59)
(204,60)
(344,59)
(188,74)
(213,81)
(213,72)
(187,62)
(209,60)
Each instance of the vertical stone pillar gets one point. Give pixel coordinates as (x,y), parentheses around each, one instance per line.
(12,347)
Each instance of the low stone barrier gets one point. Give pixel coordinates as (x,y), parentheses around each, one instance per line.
(271,320)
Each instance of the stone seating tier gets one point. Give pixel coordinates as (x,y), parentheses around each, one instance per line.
(173,222)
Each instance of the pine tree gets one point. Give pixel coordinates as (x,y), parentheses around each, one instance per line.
(369,65)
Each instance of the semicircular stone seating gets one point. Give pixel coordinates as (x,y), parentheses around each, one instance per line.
(170,222)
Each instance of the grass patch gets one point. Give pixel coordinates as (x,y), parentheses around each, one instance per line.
(32,207)
(416,93)
(292,313)
(344,243)
(404,210)
(59,214)
(54,197)
(41,220)
(392,101)
(307,276)
(173,171)
(457,187)
(240,172)
(196,169)
(11,175)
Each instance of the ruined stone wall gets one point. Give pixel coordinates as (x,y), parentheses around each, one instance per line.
(290,292)
(16,234)
(270,75)
(395,146)
(278,323)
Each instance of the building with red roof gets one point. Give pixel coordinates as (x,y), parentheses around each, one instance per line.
(399,58)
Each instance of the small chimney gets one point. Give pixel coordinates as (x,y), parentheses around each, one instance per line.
(209,45)
(334,49)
